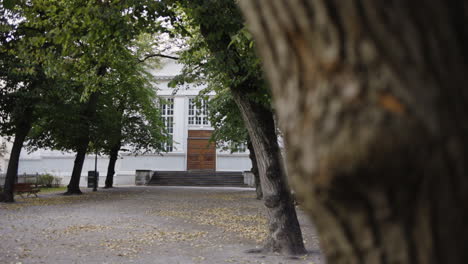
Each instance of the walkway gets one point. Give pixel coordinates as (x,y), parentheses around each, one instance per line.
(142,225)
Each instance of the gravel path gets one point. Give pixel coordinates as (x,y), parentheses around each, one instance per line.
(142,225)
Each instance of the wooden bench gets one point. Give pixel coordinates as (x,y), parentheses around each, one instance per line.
(22,188)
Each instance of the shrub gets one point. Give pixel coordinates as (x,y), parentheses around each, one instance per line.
(45,180)
(57,181)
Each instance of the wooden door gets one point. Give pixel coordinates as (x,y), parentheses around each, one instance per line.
(201,154)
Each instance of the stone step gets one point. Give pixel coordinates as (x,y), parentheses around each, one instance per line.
(201,182)
(197,178)
(199,185)
(201,177)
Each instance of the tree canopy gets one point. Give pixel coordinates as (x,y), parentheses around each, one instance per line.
(90,51)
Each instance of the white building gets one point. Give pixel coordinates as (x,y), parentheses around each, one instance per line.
(190,130)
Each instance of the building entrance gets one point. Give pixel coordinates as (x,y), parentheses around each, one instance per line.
(201,154)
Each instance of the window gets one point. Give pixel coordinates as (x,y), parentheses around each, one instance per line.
(198,112)
(237,147)
(240,147)
(167,115)
(233,147)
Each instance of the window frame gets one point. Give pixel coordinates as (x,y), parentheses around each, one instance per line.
(197,114)
(166,106)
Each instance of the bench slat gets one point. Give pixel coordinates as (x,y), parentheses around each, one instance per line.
(28,188)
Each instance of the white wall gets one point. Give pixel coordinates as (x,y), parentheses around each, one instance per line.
(125,167)
(61,164)
(170,161)
(233,162)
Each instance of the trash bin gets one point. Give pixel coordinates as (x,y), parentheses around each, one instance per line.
(92,175)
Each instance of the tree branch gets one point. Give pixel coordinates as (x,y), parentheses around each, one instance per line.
(158,55)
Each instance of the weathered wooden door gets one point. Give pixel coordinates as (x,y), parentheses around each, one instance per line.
(201,154)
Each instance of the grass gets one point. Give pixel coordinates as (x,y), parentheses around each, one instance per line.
(53,189)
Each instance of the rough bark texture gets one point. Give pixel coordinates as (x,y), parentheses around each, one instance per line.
(372,98)
(285,233)
(22,131)
(254,170)
(113,155)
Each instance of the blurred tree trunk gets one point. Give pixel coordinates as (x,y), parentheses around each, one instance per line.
(22,130)
(372,99)
(113,156)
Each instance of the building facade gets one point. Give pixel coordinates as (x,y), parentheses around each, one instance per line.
(186,120)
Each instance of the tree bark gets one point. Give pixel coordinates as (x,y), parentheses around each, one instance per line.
(74,184)
(285,233)
(372,99)
(254,170)
(12,172)
(113,155)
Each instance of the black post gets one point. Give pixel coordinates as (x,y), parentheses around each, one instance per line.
(95,173)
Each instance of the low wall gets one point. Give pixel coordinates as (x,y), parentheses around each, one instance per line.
(22,178)
(61,165)
(233,162)
(249,178)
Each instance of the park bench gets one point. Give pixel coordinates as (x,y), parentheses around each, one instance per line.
(28,188)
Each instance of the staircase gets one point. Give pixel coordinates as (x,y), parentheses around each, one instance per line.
(198,178)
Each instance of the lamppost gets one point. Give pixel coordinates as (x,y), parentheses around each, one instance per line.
(95,173)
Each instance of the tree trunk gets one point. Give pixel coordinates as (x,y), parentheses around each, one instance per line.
(285,233)
(113,155)
(74,185)
(372,99)
(254,170)
(12,171)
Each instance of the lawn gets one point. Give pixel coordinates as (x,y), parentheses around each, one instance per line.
(52,189)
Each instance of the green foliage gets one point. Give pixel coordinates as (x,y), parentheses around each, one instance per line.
(57,181)
(45,180)
(62,121)
(9,4)
(81,37)
(227,121)
(87,47)
(127,115)
(221,54)
(54,189)
(24,83)
(221,51)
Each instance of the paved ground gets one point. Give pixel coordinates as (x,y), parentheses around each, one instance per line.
(142,225)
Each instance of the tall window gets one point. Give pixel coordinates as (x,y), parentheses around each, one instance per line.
(167,115)
(239,147)
(198,112)
(233,147)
